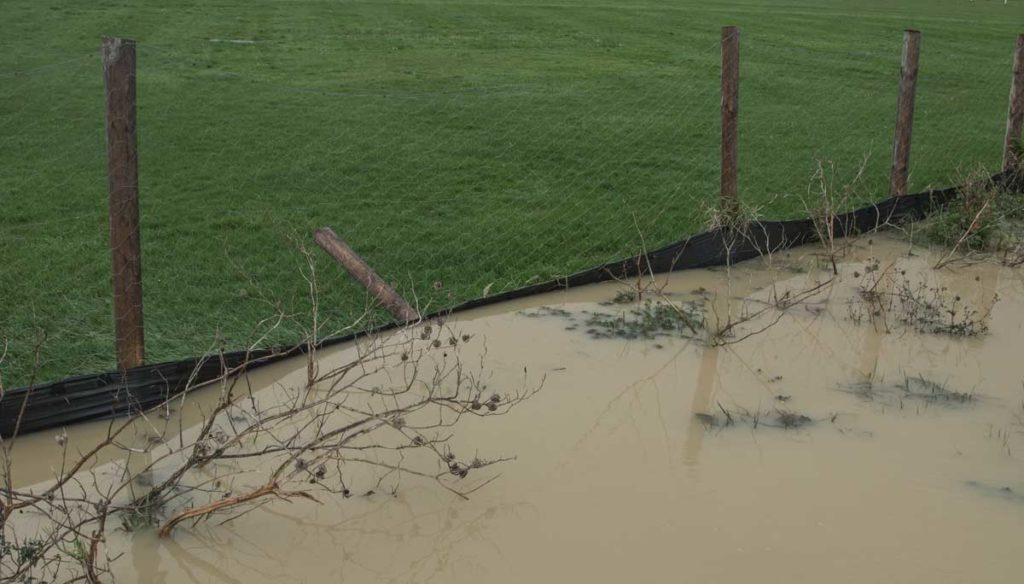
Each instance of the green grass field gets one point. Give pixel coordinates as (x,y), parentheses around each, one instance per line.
(460,146)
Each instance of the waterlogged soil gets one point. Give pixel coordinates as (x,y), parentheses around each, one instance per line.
(792,436)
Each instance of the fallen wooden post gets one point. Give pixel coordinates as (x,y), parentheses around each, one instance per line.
(364,274)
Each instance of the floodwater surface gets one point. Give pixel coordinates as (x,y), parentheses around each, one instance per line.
(781,423)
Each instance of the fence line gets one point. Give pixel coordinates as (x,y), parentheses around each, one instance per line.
(607,165)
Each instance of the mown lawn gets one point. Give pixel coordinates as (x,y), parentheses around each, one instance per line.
(460,146)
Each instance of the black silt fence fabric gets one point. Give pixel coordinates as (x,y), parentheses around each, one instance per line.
(106,395)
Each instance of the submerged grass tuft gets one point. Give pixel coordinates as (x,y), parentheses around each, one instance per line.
(925,389)
(917,389)
(785,419)
(648,320)
(623,297)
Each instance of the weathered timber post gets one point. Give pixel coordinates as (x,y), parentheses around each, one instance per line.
(364,274)
(730,122)
(1015,115)
(898,177)
(123,189)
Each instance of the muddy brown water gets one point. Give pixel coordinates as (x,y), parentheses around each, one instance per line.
(824,448)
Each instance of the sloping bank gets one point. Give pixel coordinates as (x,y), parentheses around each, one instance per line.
(96,396)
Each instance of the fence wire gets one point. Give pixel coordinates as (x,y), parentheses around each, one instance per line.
(453,177)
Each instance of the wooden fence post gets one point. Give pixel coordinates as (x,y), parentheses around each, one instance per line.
(1015,116)
(364,274)
(123,189)
(730,126)
(905,113)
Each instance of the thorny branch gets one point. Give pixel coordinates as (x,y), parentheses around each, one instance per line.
(360,420)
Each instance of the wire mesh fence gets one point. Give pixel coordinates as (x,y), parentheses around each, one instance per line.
(456,175)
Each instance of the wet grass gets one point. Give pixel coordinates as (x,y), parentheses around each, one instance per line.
(461,147)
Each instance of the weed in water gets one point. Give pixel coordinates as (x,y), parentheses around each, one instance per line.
(936,310)
(918,389)
(147,514)
(789,419)
(824,201)
(1003,492)
(985,218)
(23,553)
(548,311)
(650,319)
(888,296)
(931,391)
(622,297)
(754,419)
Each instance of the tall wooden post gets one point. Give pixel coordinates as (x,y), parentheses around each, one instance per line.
(123,189)
(1015,117)
(900,173)
(730,120)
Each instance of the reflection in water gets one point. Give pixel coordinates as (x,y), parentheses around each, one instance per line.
(438,536)
(191,566)
(871,348)
(706,377)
